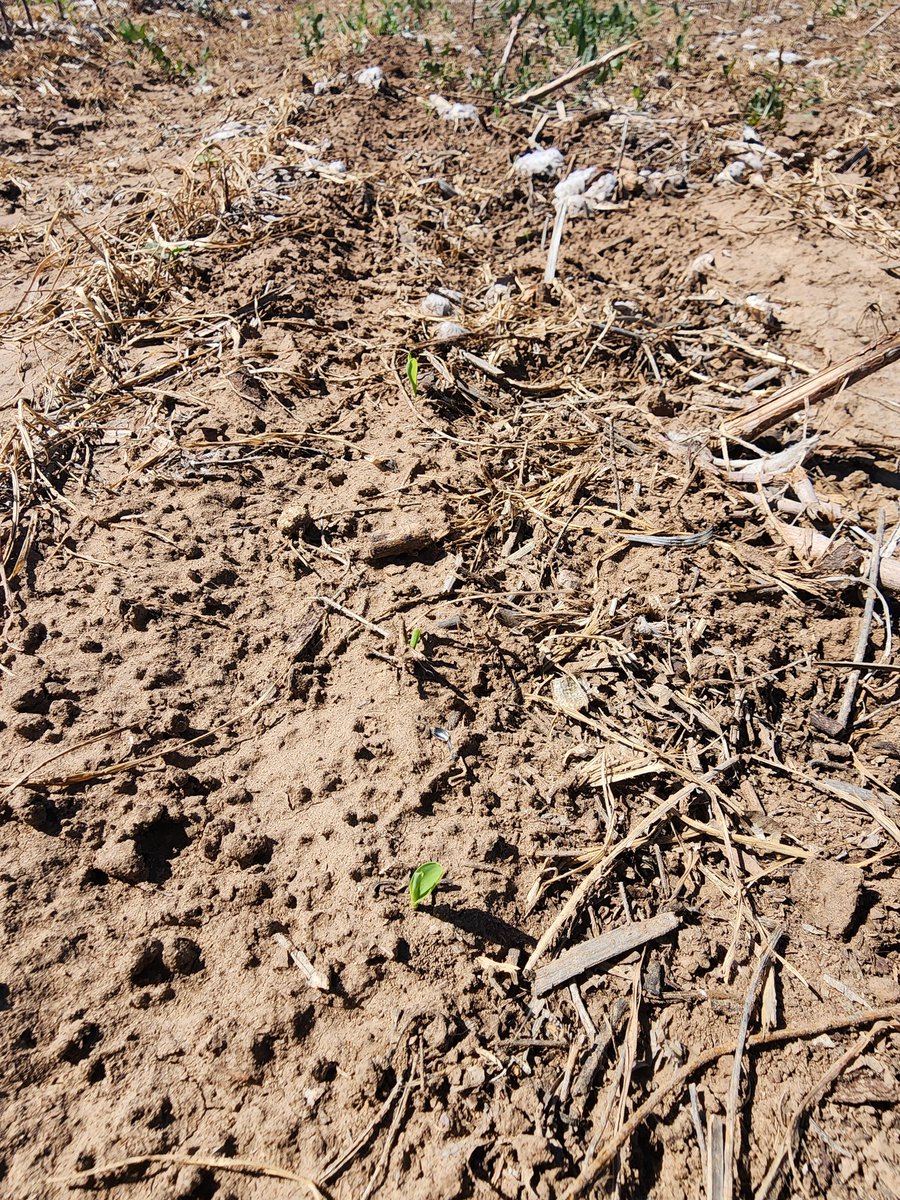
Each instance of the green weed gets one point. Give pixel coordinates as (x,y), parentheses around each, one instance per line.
(356,23)
(139,35)
(673,58)
(579,23)
(766,103)
(310,27)
(443,68)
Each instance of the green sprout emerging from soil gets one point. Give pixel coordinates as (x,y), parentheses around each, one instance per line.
(423,881)
(412,373)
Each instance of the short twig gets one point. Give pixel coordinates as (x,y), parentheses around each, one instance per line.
(242,1165)
(381,1165)
(574,74)
(732,1133)
(340,1164)
(838,727)
(346,612)
(514,26)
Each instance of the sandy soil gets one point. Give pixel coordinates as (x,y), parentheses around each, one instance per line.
(230,716)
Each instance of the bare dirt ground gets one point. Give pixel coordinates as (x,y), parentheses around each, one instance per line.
(305,584)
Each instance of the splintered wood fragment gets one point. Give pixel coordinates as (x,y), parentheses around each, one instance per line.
(596,951)
(582,1086)
(833,555)
(556,241)
(393,543)
(715,1159)
(315,979)
(573,74)
(769,1013)
(820,386)
(837,728)
(306,632)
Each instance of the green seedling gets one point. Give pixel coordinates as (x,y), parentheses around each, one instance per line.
(673,58)
(309,24)
(423,881)
(415,638)
(585,27)
(766,104)
(139,35)
(412,373)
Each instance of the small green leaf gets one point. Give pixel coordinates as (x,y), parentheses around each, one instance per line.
(412,373)
(424,880)
(415,638)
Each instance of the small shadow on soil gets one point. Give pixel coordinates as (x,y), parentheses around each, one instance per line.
(160,842)
(483,925)
(429,555)
(868,898)
(839,467)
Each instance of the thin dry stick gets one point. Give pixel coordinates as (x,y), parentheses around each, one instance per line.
(789,1144)
(698,1122)
(556,241)
(880,21)
(26,775)
(797,396)
(838,727)
(848,793)
(863,666)
(716,1172)
(514,27)
(242,1165)
(381,1165)
(341,1163)
(630,1041)
(573,74)
(127,764)
(346,612)
(732,1133)
(761,1041)
(637,832)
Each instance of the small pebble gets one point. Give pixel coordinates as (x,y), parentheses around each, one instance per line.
(246,849)
(371,77)
(121,860)
(293,520)
(181,955)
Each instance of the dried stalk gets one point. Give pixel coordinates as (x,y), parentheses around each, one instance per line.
(732,1131)
(573,74)
(838,727)
(825,383)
